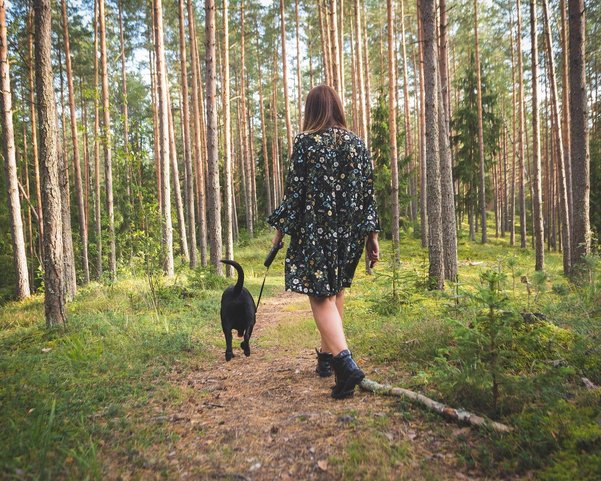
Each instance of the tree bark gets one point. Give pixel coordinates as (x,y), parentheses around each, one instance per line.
(285,79)
(242,124)
(197,113)
(34,132)
(337,75)
(579,137)
(227,143)
(97,201)
(188,166)
(214,201)
(83,230)
(10,164)
(482,185)
(521,133)
(392,128)
(161,68)
(435,241)
(362,111)
(537,216)
(54,298)
(106,140)
(563,194)
(565,109)
(298,69)
(422,133)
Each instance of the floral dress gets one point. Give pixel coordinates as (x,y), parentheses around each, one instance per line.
(328,209)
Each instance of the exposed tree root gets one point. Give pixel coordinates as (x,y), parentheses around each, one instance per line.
(447,411)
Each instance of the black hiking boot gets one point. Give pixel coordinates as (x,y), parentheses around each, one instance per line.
(348,375)
(324,363)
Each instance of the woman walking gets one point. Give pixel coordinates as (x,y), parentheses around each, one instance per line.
(329,212)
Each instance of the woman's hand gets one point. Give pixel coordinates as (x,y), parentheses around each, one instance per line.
(277,238)
(372,248)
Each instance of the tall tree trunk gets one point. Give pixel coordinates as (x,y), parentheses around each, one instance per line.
(393,131)
(106,140)
(537,215)
(514,141)
(248,185)
(362,111)
(579,138)
(563,194)
(83,230)
(336,71)
(367,78)
(97,200)
(68,252)
(214,201)
(227,141)
(449,226)
(325,47)
(125,111)
(188,166)
(285,79)
(409,154)
(522,130)
(163,94)
(10,165)
(482,186)
(298,68)
(54,298)
(197,114)
(435,241)
(422,132)
(565,109)
(34,133)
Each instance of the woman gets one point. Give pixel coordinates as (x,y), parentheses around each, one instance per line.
(329,211)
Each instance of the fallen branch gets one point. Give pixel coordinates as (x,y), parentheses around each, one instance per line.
(448,412)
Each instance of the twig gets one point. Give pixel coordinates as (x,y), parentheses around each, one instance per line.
(440,408)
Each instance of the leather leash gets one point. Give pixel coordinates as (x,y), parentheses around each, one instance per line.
(268,261)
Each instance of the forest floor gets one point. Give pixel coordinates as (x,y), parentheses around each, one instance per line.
(136,387)
(270,417)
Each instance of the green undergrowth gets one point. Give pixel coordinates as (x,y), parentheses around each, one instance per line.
(64,394)
(515,349)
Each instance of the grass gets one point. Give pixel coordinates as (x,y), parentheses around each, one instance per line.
(65,395)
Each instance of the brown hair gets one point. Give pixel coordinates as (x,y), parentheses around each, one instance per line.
(323,109)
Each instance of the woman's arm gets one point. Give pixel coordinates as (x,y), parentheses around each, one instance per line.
(372,248)
(288,215)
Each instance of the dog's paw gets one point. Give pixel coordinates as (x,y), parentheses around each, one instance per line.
(244,345)
(229,355)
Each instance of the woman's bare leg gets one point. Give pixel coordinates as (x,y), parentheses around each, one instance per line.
(340,303)
(329,323)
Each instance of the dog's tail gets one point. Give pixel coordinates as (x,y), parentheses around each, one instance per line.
(238,267)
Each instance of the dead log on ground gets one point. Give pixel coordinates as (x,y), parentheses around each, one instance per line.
(447,411)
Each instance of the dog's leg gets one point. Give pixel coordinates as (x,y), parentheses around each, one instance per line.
(245,345)
(229,353)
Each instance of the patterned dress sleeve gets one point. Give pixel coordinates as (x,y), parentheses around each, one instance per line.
(288,215)
(371,221)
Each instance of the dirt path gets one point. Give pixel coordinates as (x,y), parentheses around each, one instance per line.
(269,417)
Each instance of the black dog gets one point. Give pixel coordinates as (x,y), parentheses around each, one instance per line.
(238,312)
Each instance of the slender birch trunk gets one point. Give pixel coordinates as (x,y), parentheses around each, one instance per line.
(213,191)
(163,97)
(227,141)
